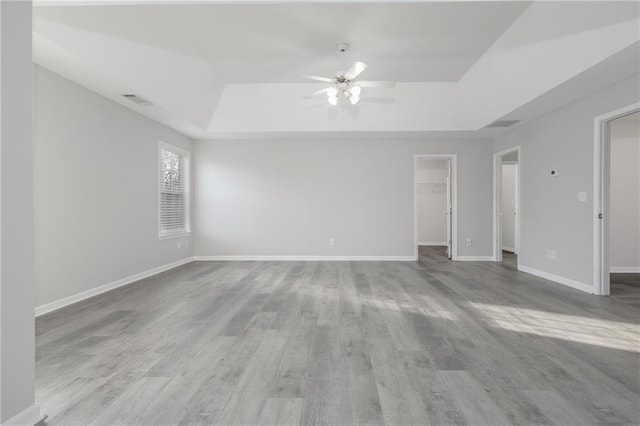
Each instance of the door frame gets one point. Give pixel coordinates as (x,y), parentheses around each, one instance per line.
(497,201)
(453,161)
(601,205)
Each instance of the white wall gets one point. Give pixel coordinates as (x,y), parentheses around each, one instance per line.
(17,282)
(551,215)
(508,198)
(96,190)
(289,197)
(624,237)
(431,193)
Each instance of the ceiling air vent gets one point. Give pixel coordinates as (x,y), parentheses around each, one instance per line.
(137,99)
(503,123)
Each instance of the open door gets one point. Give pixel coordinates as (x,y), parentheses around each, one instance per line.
(508,206)
(506,199)
(449,211)
(602,195)
(435,206)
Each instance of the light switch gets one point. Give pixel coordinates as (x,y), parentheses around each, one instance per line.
(582,196)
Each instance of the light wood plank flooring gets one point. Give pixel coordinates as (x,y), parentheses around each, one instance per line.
(341,343)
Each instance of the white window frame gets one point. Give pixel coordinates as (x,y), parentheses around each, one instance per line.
(182,153)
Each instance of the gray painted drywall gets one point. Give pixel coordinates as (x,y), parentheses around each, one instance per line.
(551,215)
(289,197)
(508,198)
(96,190)
(17,329)
(624,236)
(511,157)
(431,201)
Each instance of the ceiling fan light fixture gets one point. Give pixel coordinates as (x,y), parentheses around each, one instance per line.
(345,84)
(332,95)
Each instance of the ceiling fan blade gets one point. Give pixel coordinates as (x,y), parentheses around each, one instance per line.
(355,70)
(316,93)
(318,78)
(376,84)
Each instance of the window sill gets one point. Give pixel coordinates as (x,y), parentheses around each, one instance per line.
(174,235)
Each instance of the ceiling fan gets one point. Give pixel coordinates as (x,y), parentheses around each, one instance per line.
(345,84)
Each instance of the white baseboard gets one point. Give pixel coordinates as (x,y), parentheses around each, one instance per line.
(511,249)
(475,258)
(624,269)
(307,258)
(432,243)
(61,303)
(30,416)
(557,278)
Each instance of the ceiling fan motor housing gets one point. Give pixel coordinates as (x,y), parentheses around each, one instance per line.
(342,47)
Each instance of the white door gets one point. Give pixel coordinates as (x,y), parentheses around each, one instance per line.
(508,209)
(449,210)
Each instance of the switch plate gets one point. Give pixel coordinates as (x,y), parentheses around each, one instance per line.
(332,242)
(582,196)
(469,242)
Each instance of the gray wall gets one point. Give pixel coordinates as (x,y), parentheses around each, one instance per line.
(551,215)
(96,190)
(289,197)
(431,196)
(17,331)
(624,237)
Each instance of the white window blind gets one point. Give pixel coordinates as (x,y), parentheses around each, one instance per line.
(174,191)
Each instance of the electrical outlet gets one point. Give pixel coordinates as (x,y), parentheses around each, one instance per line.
(469,242)
(582,196)
(551,254)
(332,242)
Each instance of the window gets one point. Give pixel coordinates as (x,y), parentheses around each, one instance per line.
(174,197)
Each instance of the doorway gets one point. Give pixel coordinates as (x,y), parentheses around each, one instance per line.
(435,207)
(506,170)
(617,205)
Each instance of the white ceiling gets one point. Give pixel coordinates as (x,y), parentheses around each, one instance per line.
(215,68)
(276,43)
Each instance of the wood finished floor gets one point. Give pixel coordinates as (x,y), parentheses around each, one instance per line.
(626,288)
(341,343)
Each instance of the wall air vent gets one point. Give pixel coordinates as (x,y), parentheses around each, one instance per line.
(137,99)
(503,123)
